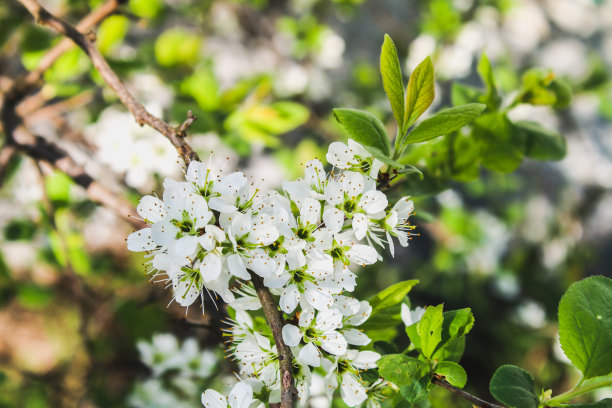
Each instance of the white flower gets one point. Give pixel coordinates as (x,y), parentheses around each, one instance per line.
(345,370)
(353,157)
(313,184)
(310,281)
(319,332)
(396,223)
(241,396)
(355,197)
(410,317)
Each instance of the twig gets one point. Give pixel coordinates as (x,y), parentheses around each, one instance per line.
(141,115)
(285,358)
(40,149)
(477,402)
(89,21)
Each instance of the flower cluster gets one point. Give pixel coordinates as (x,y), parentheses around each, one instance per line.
(215,231)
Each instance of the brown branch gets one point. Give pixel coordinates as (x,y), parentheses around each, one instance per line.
(141,115)
(89,21)
(39,148)
(477,402)
(285,358)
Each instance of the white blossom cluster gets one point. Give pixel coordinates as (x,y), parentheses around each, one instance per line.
(216,231)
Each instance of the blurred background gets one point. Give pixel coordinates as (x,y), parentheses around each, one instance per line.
(80,323)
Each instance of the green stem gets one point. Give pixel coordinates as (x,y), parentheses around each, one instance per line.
(577,390)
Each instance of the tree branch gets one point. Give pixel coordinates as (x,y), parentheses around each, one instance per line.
(285,358)
(477,402)
(141,115)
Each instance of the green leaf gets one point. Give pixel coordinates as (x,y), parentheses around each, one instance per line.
(417,391)
(457,323)
(585,325)
(177,46)
(145,8)
(452,350)
(392,79)
(401,369)
(420,92)
(391,296)
(463,94)
(444,122)
(485,70)
(429,329)
(542,143)
(364,128)
(453,372)
(111,33)
(502,145)
(514,387)
(203,87)
(385,159)
(563,93)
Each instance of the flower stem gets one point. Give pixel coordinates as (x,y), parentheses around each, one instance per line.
(578,390)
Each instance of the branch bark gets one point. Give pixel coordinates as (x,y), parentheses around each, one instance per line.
(285,358)
(176,135)
(477,402)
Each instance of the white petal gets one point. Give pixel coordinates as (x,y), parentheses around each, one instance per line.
(185,291)
(333,342)
(213,399)
(151,208)
(348,306)
(289,299)
(317,297)
(365,310)
(376,165)
(164,232)
(333,218)
(339,155)
(262,264)
(321,267)
(404,207)
(221,204)
(141,241)
(309,354)
(310,211)
(263,234)
(360,225)
(291,335)
(297,190)
(329,319)
(352,184)
(373,202)
(366,359)
(236,267)
(306,317)
(241,224)
(358,149)
(210,268)
(231,183)
(314,174)
(352,391)
(356,337)
(197,208)
(333,193)
(241,396)
(362,254)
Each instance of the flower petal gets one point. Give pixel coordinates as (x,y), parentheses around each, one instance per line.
(291,335)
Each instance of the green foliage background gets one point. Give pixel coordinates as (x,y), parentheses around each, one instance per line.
(503,229)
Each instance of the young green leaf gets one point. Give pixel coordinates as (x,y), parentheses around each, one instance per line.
(585,325)
(462,94)
(541,143)
(364,128)
(391,296)
(418,391)
(457,323)
(430,329)
(453,372)
(400,369)
(514,387)
(444,122)
(485,70)
(420,92)
(392,78)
